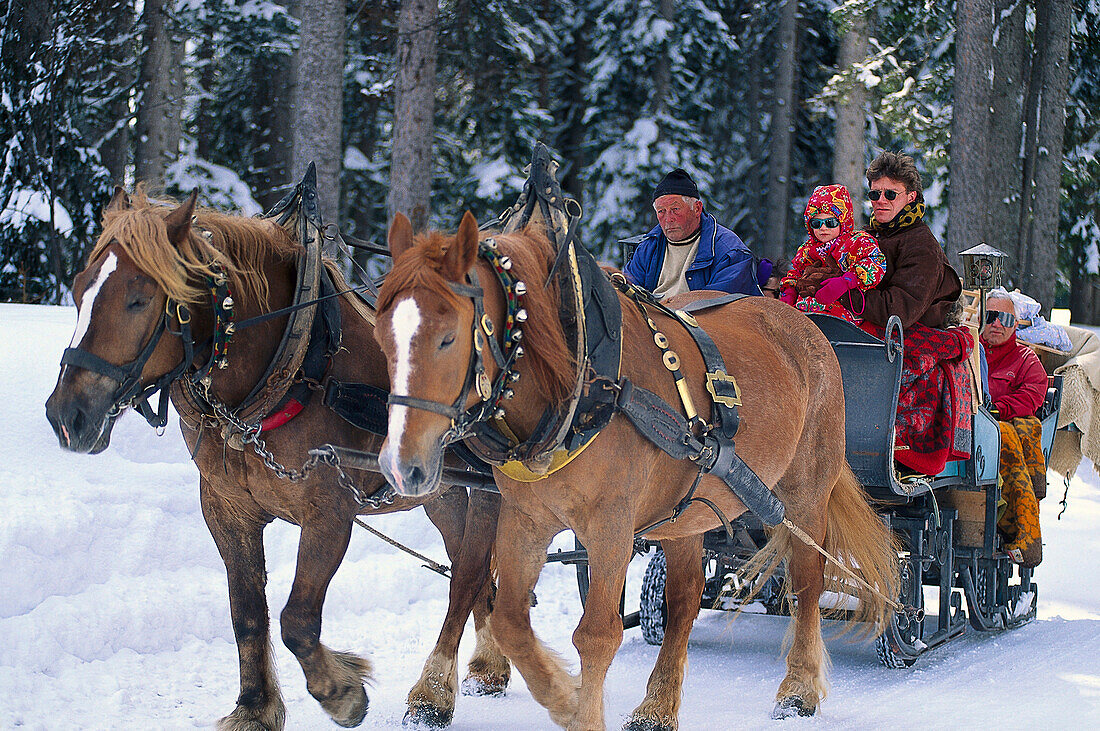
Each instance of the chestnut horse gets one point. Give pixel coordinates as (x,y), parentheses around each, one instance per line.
(792,435)
(149,253)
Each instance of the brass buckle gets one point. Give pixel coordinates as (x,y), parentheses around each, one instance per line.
(734,400)
(687,318)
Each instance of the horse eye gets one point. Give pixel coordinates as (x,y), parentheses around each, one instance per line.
(137,304)
(448,341)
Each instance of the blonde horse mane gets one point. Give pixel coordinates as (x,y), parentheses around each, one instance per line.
(238,244)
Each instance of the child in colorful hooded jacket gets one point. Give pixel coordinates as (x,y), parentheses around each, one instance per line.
(856,253)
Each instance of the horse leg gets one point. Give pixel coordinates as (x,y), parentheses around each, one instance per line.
(240,542)
(660,709)
(521,551)
(335,679)
(489,671)
(600,632)
(804,686)
(468,525)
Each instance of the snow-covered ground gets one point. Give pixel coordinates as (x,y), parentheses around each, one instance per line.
(114,610)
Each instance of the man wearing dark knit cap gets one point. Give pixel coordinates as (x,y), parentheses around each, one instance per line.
(688,249)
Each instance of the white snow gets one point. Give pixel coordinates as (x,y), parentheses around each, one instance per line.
(114,612)
(26,205)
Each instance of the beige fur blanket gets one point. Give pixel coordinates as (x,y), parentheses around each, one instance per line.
(1080,371)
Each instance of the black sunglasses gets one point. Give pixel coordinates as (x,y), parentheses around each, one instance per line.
(1007,319)
(876,194)
(826,222)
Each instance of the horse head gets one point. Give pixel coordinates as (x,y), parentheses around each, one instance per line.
(461,332)
(426,331)
(122,312)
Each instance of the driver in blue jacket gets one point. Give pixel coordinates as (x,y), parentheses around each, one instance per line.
(688,249)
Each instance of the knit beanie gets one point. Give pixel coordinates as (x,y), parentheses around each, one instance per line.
(678,182)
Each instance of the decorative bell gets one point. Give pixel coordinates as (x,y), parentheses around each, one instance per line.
(230,329)
(498,414)
(490,244)
(513,376)
(505,263)
(517,335)
(508,394)
(223,363)
(227,303)
(521,315)
(519,351)
(521,288)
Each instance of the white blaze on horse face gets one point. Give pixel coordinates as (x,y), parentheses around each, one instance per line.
(84,319)
(406,321)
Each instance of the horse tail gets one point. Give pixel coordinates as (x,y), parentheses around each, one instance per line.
(859,538)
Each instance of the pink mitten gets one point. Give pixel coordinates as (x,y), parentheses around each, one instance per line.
(788,296)
(832,289)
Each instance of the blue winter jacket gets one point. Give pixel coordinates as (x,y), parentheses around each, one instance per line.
(723,262)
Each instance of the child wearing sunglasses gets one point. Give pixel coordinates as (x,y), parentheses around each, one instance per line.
(833,240)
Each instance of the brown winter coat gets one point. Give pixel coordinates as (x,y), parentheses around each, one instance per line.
(919,285)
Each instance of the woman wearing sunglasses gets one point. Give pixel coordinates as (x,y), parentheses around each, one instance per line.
(919,284)
(1017,387)
(833,239)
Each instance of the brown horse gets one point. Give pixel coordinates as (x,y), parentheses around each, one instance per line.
(791,435)
(149,253)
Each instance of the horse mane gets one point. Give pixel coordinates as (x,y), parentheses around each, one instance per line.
(546,350)
(239,244)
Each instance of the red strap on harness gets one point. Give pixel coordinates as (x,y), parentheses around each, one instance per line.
(282,416)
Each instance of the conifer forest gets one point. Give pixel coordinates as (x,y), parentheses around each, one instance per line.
(431,108)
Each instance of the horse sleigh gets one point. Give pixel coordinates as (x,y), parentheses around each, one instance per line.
(928,549)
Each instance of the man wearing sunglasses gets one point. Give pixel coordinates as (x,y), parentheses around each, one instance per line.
(1017,387)
(919,284)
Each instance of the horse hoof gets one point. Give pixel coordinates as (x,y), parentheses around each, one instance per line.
(792,706)
(350,710)
(646,724)
(490,685)
(424,715)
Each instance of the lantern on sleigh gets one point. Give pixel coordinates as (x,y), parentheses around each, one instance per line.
(983,269)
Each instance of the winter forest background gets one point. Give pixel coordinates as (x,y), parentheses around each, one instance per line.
(431,107)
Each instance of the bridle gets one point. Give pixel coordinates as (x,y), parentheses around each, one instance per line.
(491,394)
(130,392)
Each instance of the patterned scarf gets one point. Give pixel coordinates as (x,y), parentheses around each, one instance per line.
(912,213)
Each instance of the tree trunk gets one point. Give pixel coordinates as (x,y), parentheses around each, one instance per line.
(114,149)
(849,164)
(662,71)
(414,107)
(782,134)
(754,220)
(571,140)
(1054,20)
(318,100)
(161,105)
(970,126)
(273,135)
(1010,76)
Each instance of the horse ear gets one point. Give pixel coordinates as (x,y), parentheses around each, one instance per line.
(462,253)
(179,220)
(400,237)
(119,201)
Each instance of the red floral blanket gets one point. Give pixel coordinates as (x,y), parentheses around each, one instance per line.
(933,419)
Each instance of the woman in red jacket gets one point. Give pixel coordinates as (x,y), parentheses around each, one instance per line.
(1017,387)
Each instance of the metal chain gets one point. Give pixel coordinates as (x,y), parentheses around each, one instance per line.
(250,434)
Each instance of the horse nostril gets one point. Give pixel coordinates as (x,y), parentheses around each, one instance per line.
(77,422)
(416,476)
